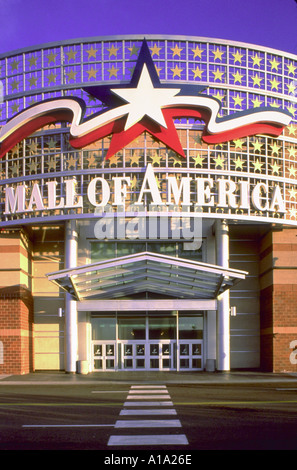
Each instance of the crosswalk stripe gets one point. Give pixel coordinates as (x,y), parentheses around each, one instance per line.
(148,403)
(148,412)
(148,423)
(140,392)
(147,400)
(151,397)
(148,386)
(142,440)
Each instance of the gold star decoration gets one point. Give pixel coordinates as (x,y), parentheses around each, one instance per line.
(33,166)
(291,129)
(71,54)
(292,171)
(218,74)
(71,162)
(133,50)
(113,51)
(134,183)
(32,147)
(256,60)
(292,193)
(113,72)
(176,71)
(237,57)
(134,158)
(197,52)
(155,50)
(32,61)
(198,160)
(15,108)
(71,75)
(52,57)
(14,65)
(256,102)
(218,54)
(238,163)
(257,165)
(15,85)
(51,164)
(256,80)
(197,72)
(176,50)
(291,88)
(14,170)
(274,84)
(92,53)
(274,148)
(92,73)
(291,109)
(237,100)
(292,151)
(32,81)
(237,77)
(257,146)
(275,167)
(274,64)
(293,212)
(219,160)
(238,143)
(291,68)
(51,78)
(155,158)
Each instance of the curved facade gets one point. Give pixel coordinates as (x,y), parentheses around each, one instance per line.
(148,152)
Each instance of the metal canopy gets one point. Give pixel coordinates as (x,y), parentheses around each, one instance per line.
(146,272)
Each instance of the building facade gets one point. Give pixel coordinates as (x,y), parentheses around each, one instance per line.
(148,206)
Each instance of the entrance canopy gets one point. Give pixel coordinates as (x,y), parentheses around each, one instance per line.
(146,272)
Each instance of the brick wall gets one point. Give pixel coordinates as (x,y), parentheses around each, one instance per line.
(16,304)
(279,301)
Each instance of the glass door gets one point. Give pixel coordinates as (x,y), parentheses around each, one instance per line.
(104,357)
(190,355)
(133,355)
(162,355)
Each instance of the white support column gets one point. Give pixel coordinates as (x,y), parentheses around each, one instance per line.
(71,239)
(223,317)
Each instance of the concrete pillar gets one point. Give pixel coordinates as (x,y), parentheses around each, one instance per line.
(71,336)
(223,316)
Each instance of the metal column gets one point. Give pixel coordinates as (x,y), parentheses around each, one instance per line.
(223,318)
(71,339)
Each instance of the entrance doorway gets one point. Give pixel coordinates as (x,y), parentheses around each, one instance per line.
(148,342)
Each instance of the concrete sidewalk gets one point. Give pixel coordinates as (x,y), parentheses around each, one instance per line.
(199,378)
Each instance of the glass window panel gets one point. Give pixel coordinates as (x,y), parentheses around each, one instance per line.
(131,328)
(163,248)
(98,364)
(162,328)
(196,363)
(196,349)
(140,349)
(184,349)
(154,349)
(190,327)
(103,328)
(101,251)
(184,363)
(124,249)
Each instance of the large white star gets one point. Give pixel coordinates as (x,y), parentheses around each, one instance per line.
(145,100)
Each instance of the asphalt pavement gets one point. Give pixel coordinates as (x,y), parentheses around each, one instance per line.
(232,377)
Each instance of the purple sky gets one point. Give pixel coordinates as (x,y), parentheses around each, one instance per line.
(271,23)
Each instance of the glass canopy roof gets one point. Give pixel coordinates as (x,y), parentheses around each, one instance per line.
(146,272)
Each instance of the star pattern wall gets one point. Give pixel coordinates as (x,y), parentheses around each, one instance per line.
(240,77)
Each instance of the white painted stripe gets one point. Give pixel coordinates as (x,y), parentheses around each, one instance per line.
(142,440)
(147,391)
(67,425)
(148,412)
(148,386)
(109,391)
(148,423)
(151,397)
(148,403)
(280,389)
